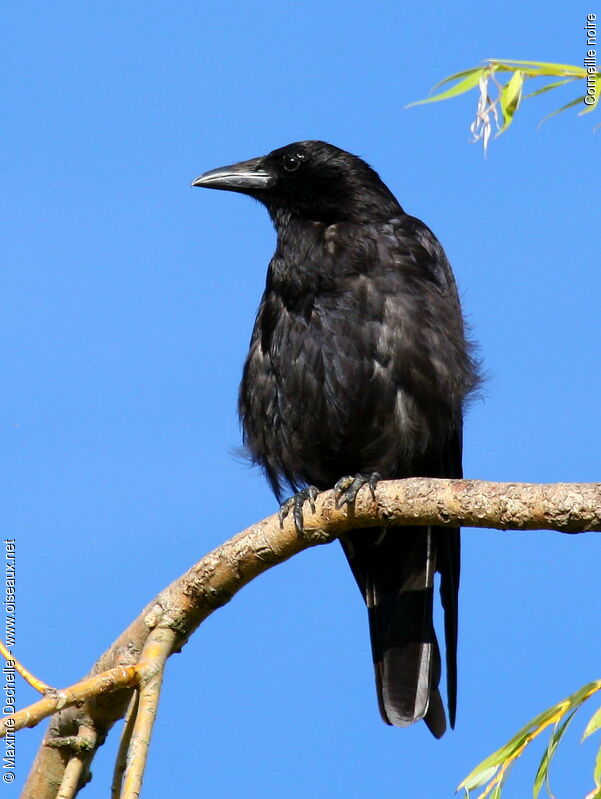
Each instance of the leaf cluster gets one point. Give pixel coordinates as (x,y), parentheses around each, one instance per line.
(500,103)
(492,772)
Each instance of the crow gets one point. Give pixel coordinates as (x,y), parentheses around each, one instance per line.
(358,370)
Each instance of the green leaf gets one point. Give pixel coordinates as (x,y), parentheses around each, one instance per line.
(492,762)
(593,725)
(478,778)
(579,696)
(510,97)
(597,771)
(559,110)
(514,746)
(542,774)
(471,79)
(546,67)
(456,76)
(548,87)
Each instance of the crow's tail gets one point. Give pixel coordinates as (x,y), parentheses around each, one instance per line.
(395,572)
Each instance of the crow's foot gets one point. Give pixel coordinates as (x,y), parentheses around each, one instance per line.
(347,488)
(295,505)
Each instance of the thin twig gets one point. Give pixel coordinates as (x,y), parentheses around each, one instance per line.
(39,686)
(107,682)
(71,777)
(152,663)
(121,759)
(77,763)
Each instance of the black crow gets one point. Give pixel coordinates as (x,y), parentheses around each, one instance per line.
(359,367)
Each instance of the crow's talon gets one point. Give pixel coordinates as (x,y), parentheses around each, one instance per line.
(341,486)
(372,482)
(295,505)
(347,488)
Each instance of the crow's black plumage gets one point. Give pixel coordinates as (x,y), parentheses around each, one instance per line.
(359,364)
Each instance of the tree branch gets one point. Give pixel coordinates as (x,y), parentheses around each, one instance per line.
(213,581)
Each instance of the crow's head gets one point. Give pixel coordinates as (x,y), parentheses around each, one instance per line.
(312,180)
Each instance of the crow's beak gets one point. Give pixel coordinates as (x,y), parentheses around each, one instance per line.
(247,176)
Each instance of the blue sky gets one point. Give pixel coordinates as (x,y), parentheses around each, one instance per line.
(128,300)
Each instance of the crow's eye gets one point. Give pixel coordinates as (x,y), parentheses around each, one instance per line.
(292,162)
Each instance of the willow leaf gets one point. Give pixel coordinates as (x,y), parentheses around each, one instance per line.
(548,87)
(542,774)
(510,97)
(472,79)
